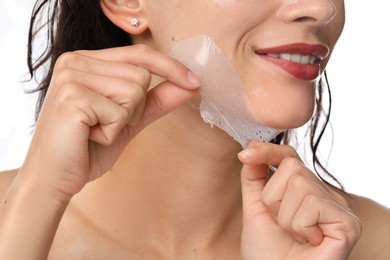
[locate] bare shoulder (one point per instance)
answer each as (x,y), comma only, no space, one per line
(6,179)
(375,218)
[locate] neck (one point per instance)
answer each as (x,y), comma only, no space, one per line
(182,177)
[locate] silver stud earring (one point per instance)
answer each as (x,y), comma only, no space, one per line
(134,22)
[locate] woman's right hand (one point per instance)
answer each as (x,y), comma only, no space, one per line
(96,103)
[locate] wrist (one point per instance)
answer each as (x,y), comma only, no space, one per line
(42,180)
(30,212)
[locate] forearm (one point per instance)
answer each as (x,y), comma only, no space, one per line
(29,217)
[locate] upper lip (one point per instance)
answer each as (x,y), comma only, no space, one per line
(315,50)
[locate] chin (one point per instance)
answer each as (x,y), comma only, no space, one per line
(284,117)
(282,103)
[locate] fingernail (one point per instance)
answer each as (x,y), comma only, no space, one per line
(247,153)
(193,79)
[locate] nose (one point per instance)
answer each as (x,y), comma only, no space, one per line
(313,13)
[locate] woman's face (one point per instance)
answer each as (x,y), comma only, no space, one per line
(278,47)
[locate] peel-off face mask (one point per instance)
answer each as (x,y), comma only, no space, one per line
(224,101)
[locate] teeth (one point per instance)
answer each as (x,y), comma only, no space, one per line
(285,56)
(274,55)
(294,57)
(305,59)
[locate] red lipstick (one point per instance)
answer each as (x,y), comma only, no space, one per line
(301,60)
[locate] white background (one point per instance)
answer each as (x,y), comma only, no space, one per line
(358,74)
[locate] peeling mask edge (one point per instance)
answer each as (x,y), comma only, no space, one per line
(224,101)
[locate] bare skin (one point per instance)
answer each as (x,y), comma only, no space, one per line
(122,166)
(82,236)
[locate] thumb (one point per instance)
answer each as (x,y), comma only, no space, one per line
(253,180)
(163,99)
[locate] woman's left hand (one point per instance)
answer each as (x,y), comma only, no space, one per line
(293,215)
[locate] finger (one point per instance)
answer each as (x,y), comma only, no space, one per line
(318,218)
(293,173)
(289,171)
(259,153)
(253,181)
(298,189)
(109,119)
(163,99)
(124,92)
(156,62)
(305,221)
(256,159)
(267,153)
(129,94)
(77,61)
(104,117)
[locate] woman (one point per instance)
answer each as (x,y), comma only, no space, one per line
(121,165)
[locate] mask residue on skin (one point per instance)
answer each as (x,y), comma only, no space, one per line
(224,102)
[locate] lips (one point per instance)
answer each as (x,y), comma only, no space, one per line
(301,60)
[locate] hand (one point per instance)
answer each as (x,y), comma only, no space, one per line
(293,215)
(97,102)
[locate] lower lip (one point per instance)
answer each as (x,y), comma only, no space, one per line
(306,72)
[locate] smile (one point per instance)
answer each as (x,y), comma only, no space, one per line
(297,58)
(300,60)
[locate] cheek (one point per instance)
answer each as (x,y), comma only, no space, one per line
(277,99)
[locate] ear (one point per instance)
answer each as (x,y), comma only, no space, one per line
(122,12)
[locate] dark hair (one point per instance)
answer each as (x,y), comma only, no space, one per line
(81,25)
(317,127)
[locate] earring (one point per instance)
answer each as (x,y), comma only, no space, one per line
(134,22)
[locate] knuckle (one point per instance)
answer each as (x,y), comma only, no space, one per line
(135,95)
(310,201)
(68,99)
(293,164)
(296,225)
(267,199)
(301,229)
(297,183)
(67,95)
(284,223)
(143,76)
(122,117)
(65,59)
(352,231)
(62,76)
(354,225)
